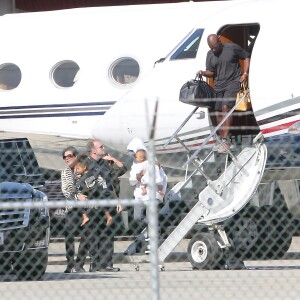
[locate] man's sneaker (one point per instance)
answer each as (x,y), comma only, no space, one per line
(226,145)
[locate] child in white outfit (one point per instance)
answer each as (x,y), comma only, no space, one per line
(139,177)
(141,159)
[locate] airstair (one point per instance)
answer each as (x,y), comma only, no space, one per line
(222,198)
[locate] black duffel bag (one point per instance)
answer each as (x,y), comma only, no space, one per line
(197,92)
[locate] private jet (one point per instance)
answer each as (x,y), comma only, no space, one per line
(246,197)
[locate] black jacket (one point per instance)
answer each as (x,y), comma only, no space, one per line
(107,175)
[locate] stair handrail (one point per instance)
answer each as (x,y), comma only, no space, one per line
(180,127)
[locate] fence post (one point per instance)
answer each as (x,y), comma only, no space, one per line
(152,211)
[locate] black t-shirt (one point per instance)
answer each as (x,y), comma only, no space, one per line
(225,64)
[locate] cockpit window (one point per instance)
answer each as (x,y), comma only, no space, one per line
(189,47)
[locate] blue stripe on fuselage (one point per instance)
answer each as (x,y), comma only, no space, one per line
(53,115)
(59,105)
(55,110)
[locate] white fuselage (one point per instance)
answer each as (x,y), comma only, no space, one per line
(94,40)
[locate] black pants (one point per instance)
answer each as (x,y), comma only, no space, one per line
(72,229)
(105,246)
(98,239)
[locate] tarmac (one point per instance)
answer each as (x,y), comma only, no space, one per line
(179,254)
(56,254)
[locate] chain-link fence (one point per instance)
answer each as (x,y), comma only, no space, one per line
(227,226)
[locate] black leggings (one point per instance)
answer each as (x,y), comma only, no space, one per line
(73,220)
(98,239)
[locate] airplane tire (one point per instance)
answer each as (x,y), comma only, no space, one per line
(204,252)
(243,232)
(281,231)
(258,234)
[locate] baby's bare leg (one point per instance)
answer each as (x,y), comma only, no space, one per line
(85,219)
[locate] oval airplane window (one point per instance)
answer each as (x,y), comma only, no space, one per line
(125,70)
(65,73)
(10,76)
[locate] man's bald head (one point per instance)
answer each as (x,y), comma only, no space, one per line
(214,42)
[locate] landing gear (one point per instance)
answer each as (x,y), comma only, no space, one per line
(260,233)
(281,231)
(204,252)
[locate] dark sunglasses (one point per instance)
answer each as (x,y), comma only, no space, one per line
(68,156)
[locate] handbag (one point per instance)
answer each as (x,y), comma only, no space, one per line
(246,102)
(197,92)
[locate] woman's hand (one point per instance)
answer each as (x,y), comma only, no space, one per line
(81,197)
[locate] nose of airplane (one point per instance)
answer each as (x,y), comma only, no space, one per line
(125,120)
(130,116)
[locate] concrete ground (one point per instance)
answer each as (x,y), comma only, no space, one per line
(179,254)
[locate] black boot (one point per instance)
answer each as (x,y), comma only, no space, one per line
(93,267)
(70,266)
